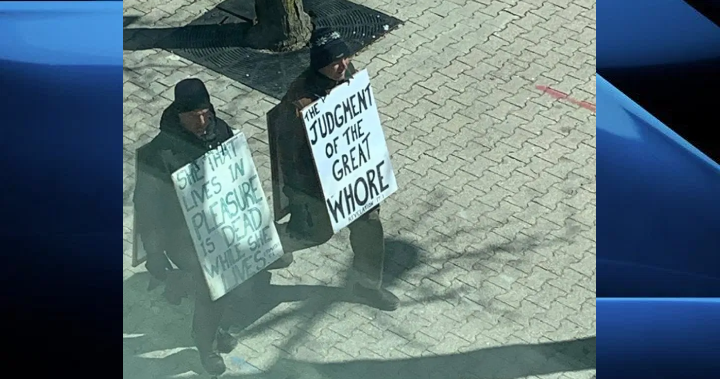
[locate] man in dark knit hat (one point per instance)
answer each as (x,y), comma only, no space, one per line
(189,128)
(309,223)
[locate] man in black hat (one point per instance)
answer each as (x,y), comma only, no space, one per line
(309,220)
(189,128)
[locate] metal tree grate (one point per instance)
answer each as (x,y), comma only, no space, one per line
(212,41)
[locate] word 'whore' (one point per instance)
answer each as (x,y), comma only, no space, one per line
(357,194)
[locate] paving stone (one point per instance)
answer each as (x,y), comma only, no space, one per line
(483,161)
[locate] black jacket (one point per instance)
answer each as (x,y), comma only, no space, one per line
(158,213)
(295,154)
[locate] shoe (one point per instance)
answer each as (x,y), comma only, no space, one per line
(213,363)
(225,341)
(285,261)
(378,298)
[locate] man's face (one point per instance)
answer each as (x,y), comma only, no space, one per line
(196,121)
(336,70)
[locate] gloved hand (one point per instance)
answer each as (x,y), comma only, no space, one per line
(178,286)
(158,265)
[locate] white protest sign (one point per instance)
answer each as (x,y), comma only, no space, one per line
(228,215)
(349,149)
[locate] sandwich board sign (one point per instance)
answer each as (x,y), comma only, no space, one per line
(139,256)
(349,149)
(228,215)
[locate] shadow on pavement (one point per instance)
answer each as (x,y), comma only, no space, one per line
(505,362)
(401,257)
(129,20)
(156,364)
(186,37)
(156,334)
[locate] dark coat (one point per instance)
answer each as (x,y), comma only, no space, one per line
(293,165)
(159,216)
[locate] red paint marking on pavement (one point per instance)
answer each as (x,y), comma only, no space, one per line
(562,96)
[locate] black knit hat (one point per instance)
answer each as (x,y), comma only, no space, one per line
(326,46)
(191,95)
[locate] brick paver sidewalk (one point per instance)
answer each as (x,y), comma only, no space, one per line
(491,235)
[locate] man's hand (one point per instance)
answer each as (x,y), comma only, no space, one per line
(178,286)
(158,265)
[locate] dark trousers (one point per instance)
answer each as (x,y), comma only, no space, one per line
(310,222)
(208,314)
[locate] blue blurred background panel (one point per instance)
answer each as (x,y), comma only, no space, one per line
(61,107)
(658,210)
(708,8)
(658,188)
(61,33)
(657,338)
(658,177)
(61,68)
(651,32)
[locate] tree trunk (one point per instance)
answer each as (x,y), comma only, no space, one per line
(282,25)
